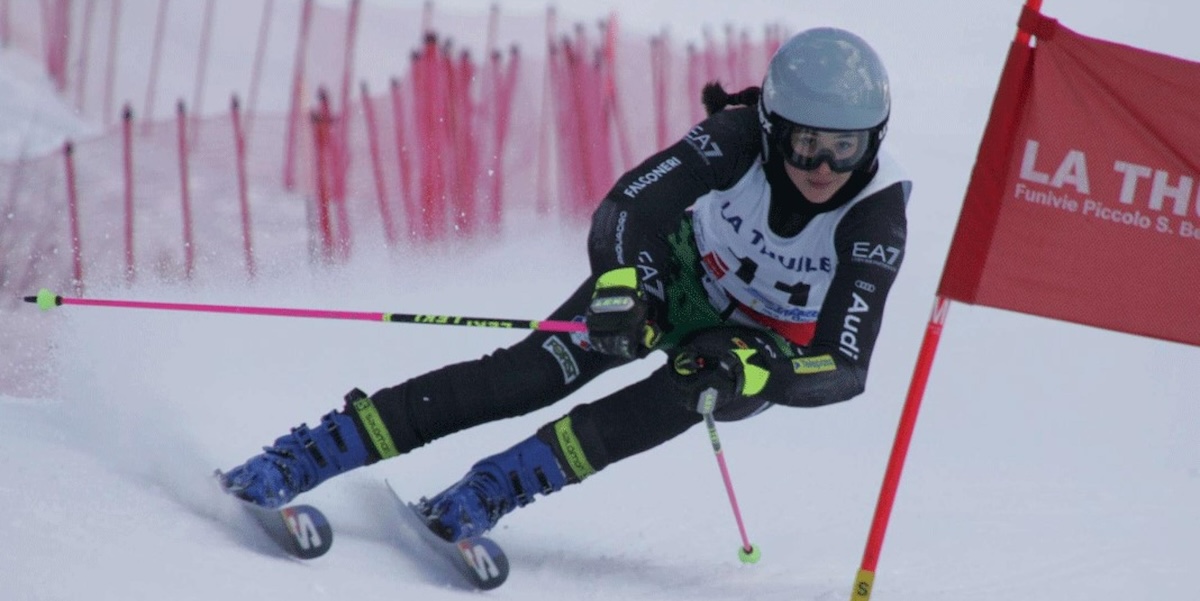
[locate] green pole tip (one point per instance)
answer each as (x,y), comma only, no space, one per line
(46,299)
(751,556)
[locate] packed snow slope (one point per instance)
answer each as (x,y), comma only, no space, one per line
(1051,462)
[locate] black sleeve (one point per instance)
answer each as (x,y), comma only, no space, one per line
(870,247)
(649,200)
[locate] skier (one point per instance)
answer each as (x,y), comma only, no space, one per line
(757,253)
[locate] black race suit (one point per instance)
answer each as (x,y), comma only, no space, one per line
(645,221)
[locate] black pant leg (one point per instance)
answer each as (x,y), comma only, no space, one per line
(534,373)
(636,418)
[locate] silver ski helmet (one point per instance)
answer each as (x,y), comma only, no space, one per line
(825,79)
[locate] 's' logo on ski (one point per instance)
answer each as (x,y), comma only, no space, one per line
(480,559)
(301,525)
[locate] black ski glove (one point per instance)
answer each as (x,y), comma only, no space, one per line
(618,316)
(720,366)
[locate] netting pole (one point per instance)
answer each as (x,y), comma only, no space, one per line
(155,63)
(127,176)
(297,99)
(185,193)
(260,52)
(545,125)
(110,65)
(201,69)
(320,168)
(385,210)
(343,121)
(5,23)
(85,41)
(659,55)
(239,141)
(408,201)
(73,217)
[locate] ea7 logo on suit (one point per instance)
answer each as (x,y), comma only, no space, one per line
(704,144)
(884,256)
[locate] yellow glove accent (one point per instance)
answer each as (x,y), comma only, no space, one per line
(624,277)
(755,376)
(650,336)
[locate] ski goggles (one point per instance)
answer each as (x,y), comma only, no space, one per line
(807,147)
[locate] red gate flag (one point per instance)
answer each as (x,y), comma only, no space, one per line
(1084,202)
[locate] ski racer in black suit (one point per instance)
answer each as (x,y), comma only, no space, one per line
(757,253)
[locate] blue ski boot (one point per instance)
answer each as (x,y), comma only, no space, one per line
(299,461)
(493,487)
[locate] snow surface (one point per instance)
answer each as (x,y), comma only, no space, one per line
(1051,461)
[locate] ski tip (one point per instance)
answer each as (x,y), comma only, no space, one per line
(301,531)
(45,299)
(219,477)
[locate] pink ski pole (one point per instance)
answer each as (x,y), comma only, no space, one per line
(747,553)
(47,300)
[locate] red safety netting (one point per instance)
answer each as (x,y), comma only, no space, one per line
(391,131)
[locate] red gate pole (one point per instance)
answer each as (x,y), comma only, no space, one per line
(865,580)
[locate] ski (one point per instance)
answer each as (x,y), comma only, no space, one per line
(479,560)
(299,530)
